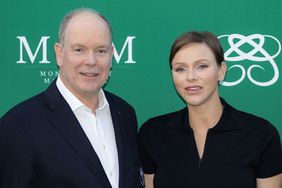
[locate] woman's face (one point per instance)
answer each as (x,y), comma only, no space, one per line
(195,74)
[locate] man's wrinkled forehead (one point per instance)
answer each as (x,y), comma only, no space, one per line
(85,19)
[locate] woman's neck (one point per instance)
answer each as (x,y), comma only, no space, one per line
(205,116)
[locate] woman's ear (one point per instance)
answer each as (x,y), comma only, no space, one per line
(222,71)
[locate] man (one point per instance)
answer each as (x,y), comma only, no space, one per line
(74,134)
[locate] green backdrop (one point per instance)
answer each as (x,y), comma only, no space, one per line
(250,31)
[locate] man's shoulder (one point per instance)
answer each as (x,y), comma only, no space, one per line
(116,100)
(28,106)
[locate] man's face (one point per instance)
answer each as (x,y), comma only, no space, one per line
(85,55)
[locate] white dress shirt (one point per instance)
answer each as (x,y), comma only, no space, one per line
(98,127)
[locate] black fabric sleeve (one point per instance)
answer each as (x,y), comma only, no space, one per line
(16,156)
(270,163)
(144,139)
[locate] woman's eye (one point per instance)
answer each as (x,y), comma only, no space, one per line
(202,67)
(180,69)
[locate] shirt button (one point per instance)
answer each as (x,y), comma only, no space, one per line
(103,146)
(111,174)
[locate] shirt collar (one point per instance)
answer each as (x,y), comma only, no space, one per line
(74,102)
(103,103)
(229,120)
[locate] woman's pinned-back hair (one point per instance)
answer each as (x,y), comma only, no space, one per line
(205,37)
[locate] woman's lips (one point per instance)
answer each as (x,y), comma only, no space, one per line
(193,89)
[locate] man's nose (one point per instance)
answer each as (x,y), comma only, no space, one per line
(91,59)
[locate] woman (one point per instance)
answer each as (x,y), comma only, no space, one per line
(208,144)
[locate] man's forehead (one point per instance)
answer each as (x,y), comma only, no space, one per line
(87,17)
(87,26)
(83,23)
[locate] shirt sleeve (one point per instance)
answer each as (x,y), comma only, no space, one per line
(147,161)
(270,163)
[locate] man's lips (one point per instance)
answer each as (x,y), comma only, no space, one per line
(89,74)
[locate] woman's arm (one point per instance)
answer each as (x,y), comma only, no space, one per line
(149,180)
(273,182)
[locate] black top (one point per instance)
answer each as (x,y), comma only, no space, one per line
(239,148)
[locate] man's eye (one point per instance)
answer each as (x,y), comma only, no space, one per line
(78,50)
(102,51)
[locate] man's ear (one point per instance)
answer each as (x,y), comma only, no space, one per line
(59,54)
(112,50)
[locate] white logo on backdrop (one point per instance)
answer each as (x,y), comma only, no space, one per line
(257,54)
(24,44)
(43,44)
(50,75)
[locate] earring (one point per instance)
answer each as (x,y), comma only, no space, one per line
(220,82)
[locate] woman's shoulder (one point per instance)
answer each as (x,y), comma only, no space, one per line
(161,121)
(251,122)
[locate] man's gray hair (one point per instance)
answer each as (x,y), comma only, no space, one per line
(71,14)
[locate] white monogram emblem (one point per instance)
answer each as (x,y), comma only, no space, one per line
(257,54)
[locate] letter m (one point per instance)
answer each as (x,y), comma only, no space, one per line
(32,56)
(127,43)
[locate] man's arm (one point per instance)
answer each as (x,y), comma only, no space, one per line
(15,155)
